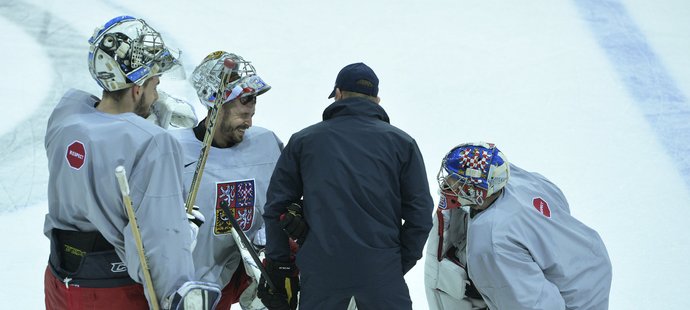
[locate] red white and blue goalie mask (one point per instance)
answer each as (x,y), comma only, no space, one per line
(470,173)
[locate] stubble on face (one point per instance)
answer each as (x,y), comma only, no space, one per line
(234,133)
(233,126)
(141,108)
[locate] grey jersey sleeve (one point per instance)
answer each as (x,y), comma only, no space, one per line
(508,278)
(156,192)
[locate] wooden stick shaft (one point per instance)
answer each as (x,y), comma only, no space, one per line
(201,162)
(208,139)
(124,189)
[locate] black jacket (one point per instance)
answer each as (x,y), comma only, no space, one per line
(360,178)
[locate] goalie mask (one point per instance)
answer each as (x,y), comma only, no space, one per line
(244,82)
(127,51)
(470,173)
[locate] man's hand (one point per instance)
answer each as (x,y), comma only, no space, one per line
(285,277)
(293,223)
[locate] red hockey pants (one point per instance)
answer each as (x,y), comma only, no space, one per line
(59,296)
(231,292)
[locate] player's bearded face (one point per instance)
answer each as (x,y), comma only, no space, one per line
(237,118)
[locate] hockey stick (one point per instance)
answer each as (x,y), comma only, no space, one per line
(228,64)
(124,189)
(248,246)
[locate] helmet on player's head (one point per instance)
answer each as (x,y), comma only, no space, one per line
(244,82)
(470,173)
(127,51)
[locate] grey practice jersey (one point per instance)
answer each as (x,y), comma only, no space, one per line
(527,252)
(84,146)
(238,177)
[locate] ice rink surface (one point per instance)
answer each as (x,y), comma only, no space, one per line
(591,94)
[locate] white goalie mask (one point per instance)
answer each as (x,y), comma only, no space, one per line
(244,81)
(127,51)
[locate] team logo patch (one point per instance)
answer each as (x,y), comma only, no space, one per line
(214,55)
(541,206)
(239,198)
(118,267)
(75,155)
(442,203)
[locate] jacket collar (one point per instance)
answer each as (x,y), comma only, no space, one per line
(355,106)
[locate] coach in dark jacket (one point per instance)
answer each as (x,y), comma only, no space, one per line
(366,202)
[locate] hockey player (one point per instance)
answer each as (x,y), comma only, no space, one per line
(93,259)
(360,178)
(524,249)
(236,175)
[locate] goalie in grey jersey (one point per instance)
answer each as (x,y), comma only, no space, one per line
(93,260)
(236,176)
(512,233)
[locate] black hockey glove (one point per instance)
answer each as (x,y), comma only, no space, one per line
(471,290)
(293,223)
(285,277)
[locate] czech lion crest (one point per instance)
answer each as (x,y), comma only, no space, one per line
(239,198)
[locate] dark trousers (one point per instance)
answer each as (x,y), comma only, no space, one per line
(390,295)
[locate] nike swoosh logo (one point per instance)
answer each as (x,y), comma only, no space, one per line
(187,165)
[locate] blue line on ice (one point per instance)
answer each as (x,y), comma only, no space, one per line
(652,88)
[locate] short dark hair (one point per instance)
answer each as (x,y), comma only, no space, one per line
(348,94)
(118,94)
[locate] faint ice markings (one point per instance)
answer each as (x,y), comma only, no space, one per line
(654,90)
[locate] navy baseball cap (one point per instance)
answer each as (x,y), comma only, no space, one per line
(358,78)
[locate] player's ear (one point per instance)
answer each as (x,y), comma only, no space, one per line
(136,92)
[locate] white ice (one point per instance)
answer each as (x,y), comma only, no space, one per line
(561,86)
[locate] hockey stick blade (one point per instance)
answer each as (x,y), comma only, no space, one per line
(249,246)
